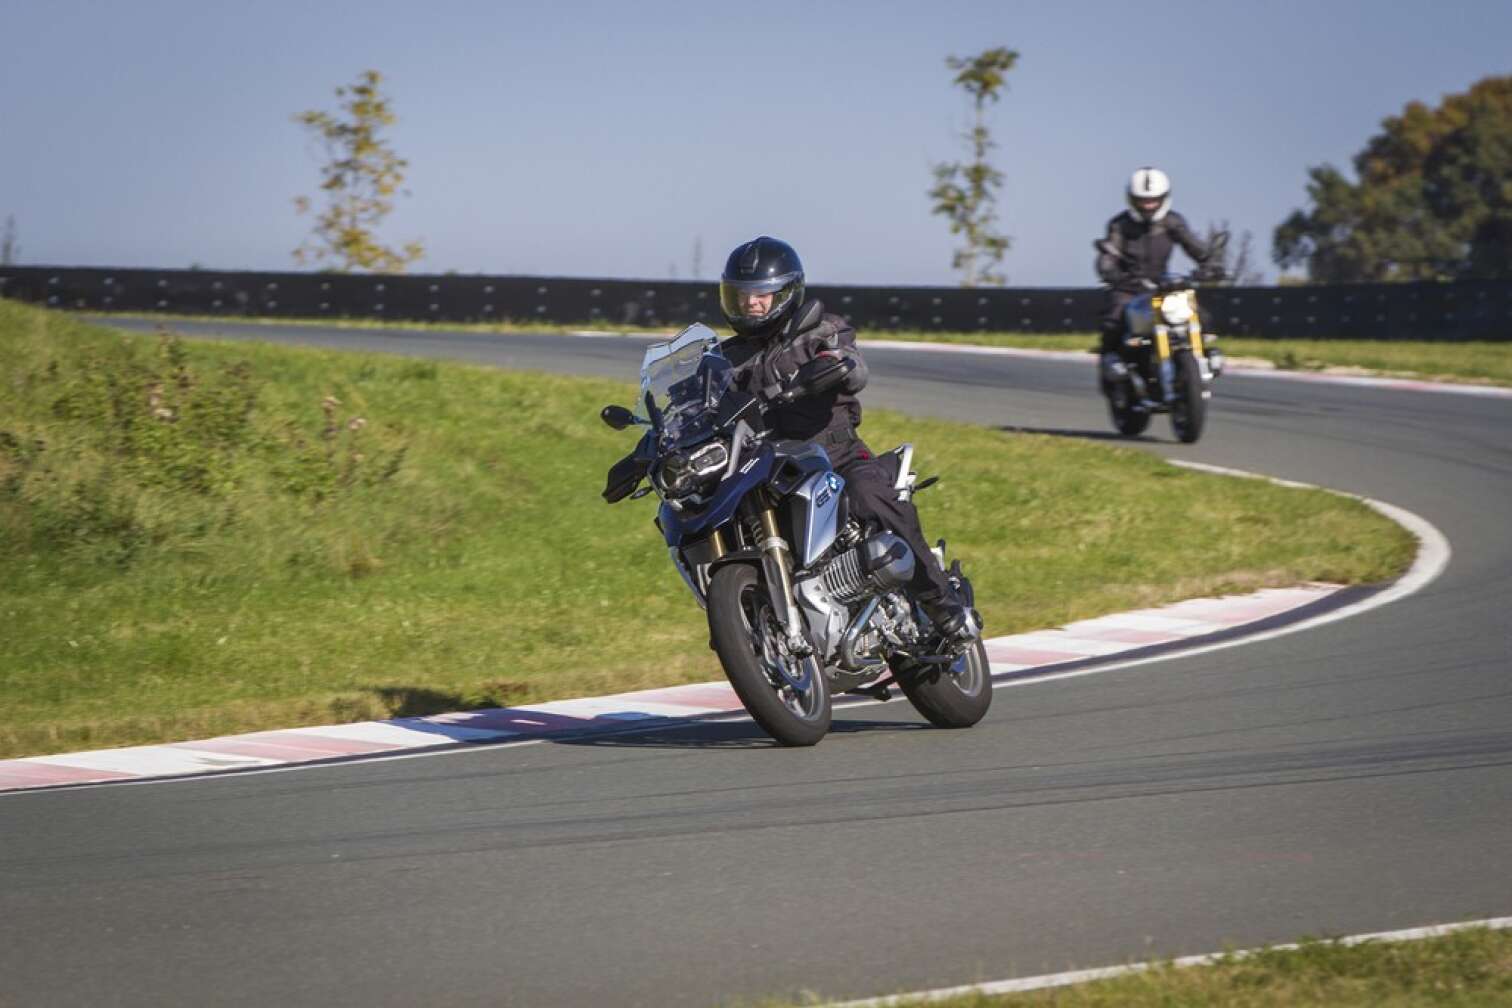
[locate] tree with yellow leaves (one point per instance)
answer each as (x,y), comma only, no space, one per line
(359,180)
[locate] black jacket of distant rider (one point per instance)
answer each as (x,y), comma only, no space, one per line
(764,365)
(1148,244)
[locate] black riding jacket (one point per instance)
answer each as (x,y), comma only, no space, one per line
(764,365)
(1149,244)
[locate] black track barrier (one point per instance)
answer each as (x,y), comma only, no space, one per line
(1472,310)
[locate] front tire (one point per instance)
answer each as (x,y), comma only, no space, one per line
(1189,410)
(957,697)
(787,696)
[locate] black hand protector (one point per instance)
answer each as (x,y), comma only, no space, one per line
(823,373)
(624,476)
(627,473)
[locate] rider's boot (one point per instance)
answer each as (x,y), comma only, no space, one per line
(1122,383)
(954,620)
(1113,370)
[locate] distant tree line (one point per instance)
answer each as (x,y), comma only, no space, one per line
(1433,200)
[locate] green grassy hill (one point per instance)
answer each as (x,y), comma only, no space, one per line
(199,538)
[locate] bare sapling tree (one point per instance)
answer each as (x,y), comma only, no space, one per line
(1237,264)
(965,194)
(359,181)
(9,249)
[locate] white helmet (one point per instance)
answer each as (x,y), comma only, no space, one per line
(1145,185)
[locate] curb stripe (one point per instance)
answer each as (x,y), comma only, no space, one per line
(1019,660)
(1108,972)
(1019,655)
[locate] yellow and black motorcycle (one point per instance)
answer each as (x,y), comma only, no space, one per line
(1169,360)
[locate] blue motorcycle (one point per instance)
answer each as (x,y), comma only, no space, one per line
(803,600)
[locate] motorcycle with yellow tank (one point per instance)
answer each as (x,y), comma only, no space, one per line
(1170,359)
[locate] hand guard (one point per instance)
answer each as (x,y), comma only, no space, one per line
(824,371)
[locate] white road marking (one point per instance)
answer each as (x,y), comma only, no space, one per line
(1432,557)
(1364,381)
(1103,973)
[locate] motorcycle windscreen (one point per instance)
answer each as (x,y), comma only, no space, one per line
(682,381)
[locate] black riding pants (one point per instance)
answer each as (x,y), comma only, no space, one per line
(1111,320)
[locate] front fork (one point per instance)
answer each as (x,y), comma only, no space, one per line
(777,565)
(1166,365)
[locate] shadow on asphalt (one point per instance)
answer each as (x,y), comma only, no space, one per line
(721,735)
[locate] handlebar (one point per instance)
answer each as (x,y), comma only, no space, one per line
(815,376)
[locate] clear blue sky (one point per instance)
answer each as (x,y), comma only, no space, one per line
(605,138)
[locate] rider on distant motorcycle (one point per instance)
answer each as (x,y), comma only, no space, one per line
(1145,234)
(777,331)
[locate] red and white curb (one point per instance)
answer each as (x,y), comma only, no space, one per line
(1109,972)
(1123,632)
(1077,649)
(1013,656)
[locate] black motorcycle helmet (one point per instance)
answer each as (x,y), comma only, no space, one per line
(762,265)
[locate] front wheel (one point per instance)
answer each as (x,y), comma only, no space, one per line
(786,695)
(955,696)
(1189,410)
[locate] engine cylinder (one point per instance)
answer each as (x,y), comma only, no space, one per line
(881,563)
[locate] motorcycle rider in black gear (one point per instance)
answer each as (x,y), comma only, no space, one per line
(777,331)
(1145,234)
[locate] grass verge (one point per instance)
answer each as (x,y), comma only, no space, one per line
(1488,363)
(199,537)
(1466,969)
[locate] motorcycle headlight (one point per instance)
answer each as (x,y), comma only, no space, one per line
(1176,309)
(705,460)
(682,472)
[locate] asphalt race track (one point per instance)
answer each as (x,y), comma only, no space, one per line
(1352,778)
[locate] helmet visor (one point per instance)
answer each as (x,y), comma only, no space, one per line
(749,303)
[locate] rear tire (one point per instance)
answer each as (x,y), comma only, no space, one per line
(957,698)
(752,648)
(1189,410)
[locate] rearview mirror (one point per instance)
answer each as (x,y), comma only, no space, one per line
(617,417)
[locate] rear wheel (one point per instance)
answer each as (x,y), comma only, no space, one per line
(1189,410)
(953,696)
(786,695)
